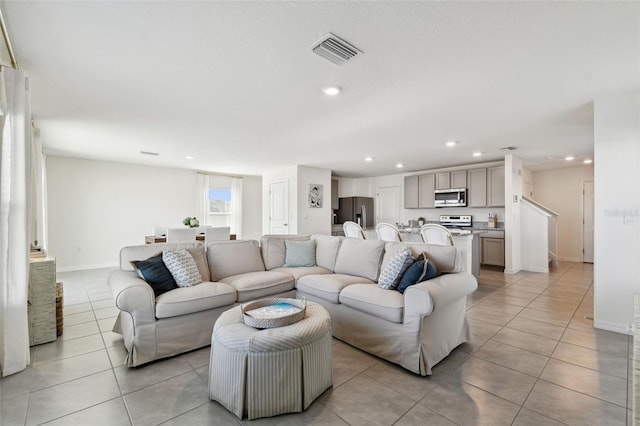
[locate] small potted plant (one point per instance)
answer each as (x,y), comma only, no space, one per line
(420,221)
(191,222)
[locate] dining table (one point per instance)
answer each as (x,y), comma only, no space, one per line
(153,239)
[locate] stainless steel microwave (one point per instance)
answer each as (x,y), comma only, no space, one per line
(454,197)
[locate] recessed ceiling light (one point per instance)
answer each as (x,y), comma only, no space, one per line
(399,165)
(450,143)
(569,158)
(588,161)
(477,154)
(368,159)
(332,90)
(189,157)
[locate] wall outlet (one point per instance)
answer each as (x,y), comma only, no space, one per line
(629,328)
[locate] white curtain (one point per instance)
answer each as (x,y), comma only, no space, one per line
(38,192)
(15,164)
(203,199)
(236,207)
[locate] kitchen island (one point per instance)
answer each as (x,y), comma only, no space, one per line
(468,242)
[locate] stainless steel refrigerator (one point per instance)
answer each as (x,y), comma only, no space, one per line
(356,209)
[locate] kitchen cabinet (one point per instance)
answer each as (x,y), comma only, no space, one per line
(495,186)
(459,179)
(411,190)
(455,179)
(477,194)
(443,180)
(493,251)
(426,195)
(334,194)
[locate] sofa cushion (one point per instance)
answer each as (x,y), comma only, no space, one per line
(182,266)
(373,300)
(421,270)
(273,249)
(300,253)
(328,286)
(186,300)
(327,250)
(228,258)
(155,273)
(359,257)
(200,256)
(300,272)
(391,274)
(445,258)
(254,285)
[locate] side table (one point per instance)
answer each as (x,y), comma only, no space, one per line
(42,300)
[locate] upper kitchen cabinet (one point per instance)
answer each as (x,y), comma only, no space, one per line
(426,185)
(495,186)
(477,194)
(455,179)
(411,192)
(334,194)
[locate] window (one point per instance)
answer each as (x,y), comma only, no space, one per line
(219,201)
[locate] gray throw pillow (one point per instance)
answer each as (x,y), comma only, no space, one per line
(300,253)
(182,266)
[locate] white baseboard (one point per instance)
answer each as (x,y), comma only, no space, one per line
(612,326)
(512,271)
(85,267)
(541,269)
(570,259)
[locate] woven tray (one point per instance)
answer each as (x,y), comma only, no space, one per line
(279,321)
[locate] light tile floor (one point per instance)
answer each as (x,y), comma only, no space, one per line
(535,359)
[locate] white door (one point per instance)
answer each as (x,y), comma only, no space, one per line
(279,207)
(587,221)
(389,201)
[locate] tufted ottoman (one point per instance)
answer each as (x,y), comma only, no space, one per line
(273,371)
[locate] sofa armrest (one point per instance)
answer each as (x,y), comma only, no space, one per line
(133,295)
(422,298)
(448,288)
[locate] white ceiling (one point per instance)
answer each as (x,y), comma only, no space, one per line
(236,85)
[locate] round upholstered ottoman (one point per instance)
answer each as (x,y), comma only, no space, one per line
(273,371)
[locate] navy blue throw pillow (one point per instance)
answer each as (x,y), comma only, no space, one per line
(155,273)
(420,270)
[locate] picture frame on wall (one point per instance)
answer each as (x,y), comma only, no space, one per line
(315,195)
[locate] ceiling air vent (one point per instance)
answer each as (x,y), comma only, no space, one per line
(336,50)
(508,148)
(149,153)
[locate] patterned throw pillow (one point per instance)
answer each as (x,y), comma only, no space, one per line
(182,267)
(392,273)
(155,273)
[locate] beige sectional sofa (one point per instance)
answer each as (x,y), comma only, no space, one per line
(416,329)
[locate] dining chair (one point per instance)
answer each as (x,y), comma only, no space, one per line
(388,232)
(217,233)
(433,233)
(353,230)
(177,235)
(202,230)
(159,231)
